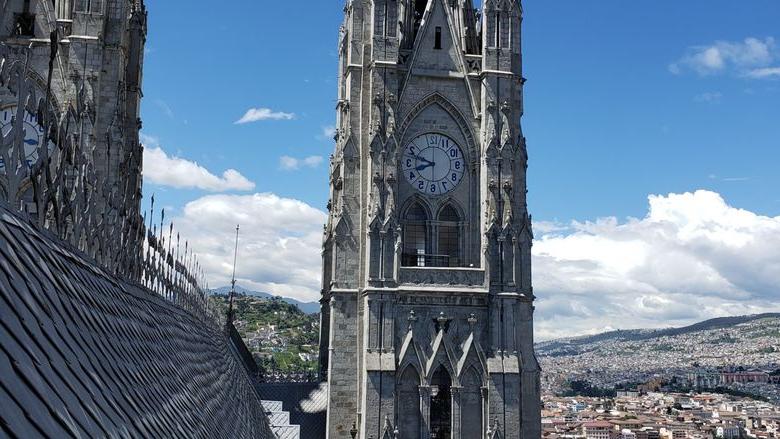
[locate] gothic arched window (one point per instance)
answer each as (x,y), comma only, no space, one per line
(449,237)
(415,236)
(441,404)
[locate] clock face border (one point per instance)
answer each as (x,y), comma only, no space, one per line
(419,164)
(30,126)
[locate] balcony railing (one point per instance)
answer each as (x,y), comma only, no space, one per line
(429,260)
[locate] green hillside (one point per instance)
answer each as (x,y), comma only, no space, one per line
(280,336)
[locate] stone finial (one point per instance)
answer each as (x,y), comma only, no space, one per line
(472,320)
(412,319)
(442,322)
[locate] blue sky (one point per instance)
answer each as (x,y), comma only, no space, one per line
(624,100)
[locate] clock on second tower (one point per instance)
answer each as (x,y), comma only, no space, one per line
(433,164)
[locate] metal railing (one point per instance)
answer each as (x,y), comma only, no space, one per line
(55,182)
(429,260)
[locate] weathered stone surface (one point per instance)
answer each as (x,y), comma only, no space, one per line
(85,354)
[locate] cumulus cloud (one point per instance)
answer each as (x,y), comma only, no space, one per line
(166,170)
(280,242)
(764,73)
(693,257)
(329,131)
(258,114)
(752,58)
(288,163)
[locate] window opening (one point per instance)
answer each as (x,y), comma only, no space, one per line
(441,404)
(449,237)
(498,29)
(415,241)
(24,23)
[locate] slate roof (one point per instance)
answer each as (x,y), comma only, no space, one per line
(84,354)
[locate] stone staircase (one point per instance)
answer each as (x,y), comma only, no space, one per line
(280,421)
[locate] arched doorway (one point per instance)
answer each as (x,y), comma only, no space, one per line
(441,404)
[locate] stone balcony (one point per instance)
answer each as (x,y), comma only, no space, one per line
(430,276)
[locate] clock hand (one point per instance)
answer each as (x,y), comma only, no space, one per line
(422,159)
(421,167)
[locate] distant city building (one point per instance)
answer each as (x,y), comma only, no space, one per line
(745,377)
(597,430)
(627,434)
(729,432)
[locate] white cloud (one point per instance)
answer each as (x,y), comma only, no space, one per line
(280,242)
(258,114)
(176,172)
(328,132)
(750,58)
(693,257)
(288,163)
(765,73)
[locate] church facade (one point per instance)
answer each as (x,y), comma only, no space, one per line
(427,302)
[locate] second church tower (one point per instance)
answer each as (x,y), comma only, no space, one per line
(427,307)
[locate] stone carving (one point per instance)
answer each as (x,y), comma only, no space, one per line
(376,201)
(390,202)
(506,125)
(490,123)
(491,215)
(453,277)
(390,113)
(508,208)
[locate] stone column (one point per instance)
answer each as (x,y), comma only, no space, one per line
(425,412)
(485,409)
(456,412)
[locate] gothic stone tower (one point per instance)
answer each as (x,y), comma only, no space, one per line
(427,307)
(98,72)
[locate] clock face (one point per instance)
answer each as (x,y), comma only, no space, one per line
(433,164)
(33,134)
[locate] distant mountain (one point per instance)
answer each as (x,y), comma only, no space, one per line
(574,346)
(306,307)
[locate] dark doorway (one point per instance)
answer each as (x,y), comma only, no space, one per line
(441,405)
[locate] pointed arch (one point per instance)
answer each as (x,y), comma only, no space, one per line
(415,221)
(441,404)
(465,128)
(450,210)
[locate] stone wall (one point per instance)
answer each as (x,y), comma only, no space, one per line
(84,354)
